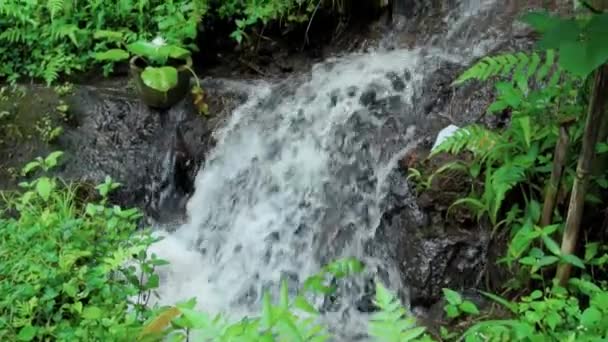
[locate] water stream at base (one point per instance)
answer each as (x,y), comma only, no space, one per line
(298,178)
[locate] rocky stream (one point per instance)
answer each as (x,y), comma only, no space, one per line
(294,169)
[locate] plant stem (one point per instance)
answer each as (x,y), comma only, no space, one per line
(597,107)
(198,82)
(559,161)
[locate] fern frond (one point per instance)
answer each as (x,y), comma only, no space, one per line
(55,7)
(15,12)
(13,35)
(61,31)
(503,179)
(518,66)
(392,323)
(474,138)
(51,69)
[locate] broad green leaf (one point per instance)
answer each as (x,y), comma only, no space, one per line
(551,245)
(44,186)
(567,30)
(502,301)
(451,311)
(526,128)
(597,33)
(591,250)
(585,286)
(162,79)
(600,300)
(30,167)
(412,334)
(197,320)
(591,317)
(52,159)
(107,34)
(153,282)
(177,52)
(469,307)
(92,313)
(547,260)
(267,312)
(113,55)
(574,57)
(452,296)
(498,106)
(284,295)
(316,284)
(146,49)
(301,303)
(573,260)
(27,333)
(553,319)
(542,21)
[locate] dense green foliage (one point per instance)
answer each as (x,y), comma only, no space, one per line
(45,39)
(64,271)
(43,42)
(544,98)
(77,269)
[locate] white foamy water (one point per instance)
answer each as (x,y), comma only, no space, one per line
(296,180)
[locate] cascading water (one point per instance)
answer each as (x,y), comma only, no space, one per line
(298,178)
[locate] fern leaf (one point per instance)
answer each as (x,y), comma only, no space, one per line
(544,70)
(13,35)
(474,138)
(504,179)
(51,70)
(392,323)
(533,67)
(55,7)
(520,67)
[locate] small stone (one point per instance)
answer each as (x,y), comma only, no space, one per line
(407,75)
(351,91)
(368,97)
(396,81)
(273,237)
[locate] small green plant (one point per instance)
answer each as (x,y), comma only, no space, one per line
(68,268)
(155,54)
(392,323)
(456,305)
(64,89)
(47,131)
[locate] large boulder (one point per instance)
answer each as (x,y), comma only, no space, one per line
(108,131)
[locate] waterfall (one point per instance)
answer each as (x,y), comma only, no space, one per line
(297,179)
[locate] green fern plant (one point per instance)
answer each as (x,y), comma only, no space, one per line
(474,138)
(55,7)
(392,323)
(518,67)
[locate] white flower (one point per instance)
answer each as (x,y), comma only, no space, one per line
(159,41)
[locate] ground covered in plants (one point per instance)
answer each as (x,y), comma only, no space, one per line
(506,238)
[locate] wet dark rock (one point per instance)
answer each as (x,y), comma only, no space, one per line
(368,97)
(432,253)
(396,81)
(351,91)
(273,237)
(154,154)
(407,75)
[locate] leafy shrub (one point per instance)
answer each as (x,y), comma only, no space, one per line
(65,271)
(42,41)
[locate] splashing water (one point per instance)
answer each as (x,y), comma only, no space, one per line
(298,179)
